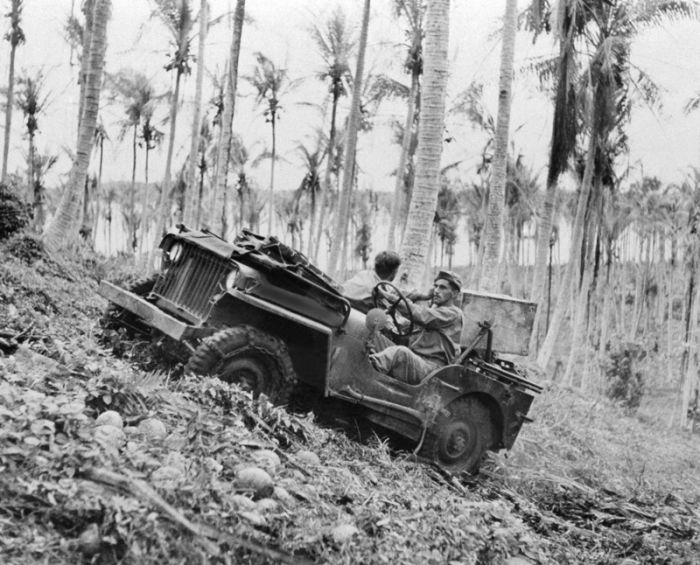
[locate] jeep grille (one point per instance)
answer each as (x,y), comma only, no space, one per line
(188,287)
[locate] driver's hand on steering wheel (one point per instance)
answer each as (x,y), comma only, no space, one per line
(387,294)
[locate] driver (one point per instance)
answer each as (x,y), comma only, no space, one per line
(434,343)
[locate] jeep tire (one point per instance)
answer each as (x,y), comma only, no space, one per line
(459,437)
(249,357)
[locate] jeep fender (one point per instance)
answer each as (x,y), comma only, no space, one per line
(301,334)
(455,381)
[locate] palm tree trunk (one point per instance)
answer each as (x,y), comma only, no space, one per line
(326,187)
(273,158)
(165,204)
(399,187)
(133,241)
(97,196)
(493,228)
(190,197)
(89,11)
(8,110)
(341,225)
(62,227)
(144,204)
(414,247)
(223,152)
(577,231)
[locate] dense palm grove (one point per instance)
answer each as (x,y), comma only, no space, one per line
(607,474)
(625,270)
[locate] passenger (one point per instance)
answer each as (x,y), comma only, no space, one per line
(435,341)
(358,289)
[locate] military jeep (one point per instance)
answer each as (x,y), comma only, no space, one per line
(258,313)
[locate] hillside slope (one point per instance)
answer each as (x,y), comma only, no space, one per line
(584,484)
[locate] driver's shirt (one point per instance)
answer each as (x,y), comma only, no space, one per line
(440,329)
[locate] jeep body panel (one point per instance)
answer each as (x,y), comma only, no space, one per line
(300,333)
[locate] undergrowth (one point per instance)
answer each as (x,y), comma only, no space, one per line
(586,482)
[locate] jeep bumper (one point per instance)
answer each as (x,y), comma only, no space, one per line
(149,313)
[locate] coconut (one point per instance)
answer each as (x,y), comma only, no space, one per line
(242,503)
(152,428)
(265,505)
(307,457)
(167,476)
(110,417)
(267,459)
(255,480)
(110,436)
(282,494)
(343,532)
(89,541)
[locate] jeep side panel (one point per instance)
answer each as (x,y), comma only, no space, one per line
(308,341)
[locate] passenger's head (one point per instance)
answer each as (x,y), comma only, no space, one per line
(386,265)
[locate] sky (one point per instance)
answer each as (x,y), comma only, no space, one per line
(663,142)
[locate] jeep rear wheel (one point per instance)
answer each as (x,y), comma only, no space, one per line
(458,440)
(244,355)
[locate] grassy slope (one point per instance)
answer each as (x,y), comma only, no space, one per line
(584,483)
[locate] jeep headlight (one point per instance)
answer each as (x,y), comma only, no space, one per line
(231,278)
(175,253)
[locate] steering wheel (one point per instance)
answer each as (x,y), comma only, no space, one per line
(391,310)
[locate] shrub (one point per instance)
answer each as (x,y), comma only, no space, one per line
(625,384)
(15,214)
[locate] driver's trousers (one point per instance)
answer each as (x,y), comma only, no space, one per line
(399,361)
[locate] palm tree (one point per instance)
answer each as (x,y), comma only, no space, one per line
(32,102)
(42,165)
(62,226)
(350,145)
(177,17)
(224,148)
(138,95)
(607,81)
(100,138)
(16,37)
(270,82)
(335,43)
(311,183)
(488,279)
(197,118)
(414,247)
(569,26)
(413,11)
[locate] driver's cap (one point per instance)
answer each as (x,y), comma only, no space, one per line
(452,278)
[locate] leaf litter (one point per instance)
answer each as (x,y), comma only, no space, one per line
(199,472)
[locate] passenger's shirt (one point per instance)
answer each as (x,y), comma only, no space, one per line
(359,289)
(438,332)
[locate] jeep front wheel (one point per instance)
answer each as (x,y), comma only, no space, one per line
(458,440)
(244,355)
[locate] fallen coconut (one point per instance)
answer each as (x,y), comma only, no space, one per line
(265,505)
(110,417)
(307,457)
(343,532)
(256,481)
(152,428)
(242,503)
(267,459)
(110,436)
(167,476)
(89,541)
(282,494)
